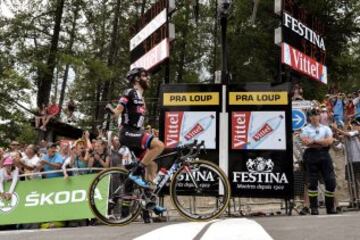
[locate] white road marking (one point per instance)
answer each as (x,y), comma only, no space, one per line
(229,229)
(235,229)
(14,232)
(181,231)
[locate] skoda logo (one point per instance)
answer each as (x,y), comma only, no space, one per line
(8,206)
(260,164)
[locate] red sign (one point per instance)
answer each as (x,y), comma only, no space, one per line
(239,129)
(302,63)
(173,123)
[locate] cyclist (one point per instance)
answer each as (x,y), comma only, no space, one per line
(132,108)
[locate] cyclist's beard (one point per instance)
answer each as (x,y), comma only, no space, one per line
(144,84)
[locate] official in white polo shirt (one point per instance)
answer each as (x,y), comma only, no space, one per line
(317,138)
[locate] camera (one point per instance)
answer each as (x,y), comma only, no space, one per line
(83,153)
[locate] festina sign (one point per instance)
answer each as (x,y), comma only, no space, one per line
(300,62)
(303,31)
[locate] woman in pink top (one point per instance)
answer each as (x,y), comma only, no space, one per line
(8,173)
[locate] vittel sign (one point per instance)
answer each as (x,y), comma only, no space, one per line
(303,31)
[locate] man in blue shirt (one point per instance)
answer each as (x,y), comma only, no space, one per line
(51,161)
(317,138)
(338,108)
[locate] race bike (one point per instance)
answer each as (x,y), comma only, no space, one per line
(199,189)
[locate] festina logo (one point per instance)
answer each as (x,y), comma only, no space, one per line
(303,31)
(260,177)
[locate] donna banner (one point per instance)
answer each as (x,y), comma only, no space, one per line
(55,199)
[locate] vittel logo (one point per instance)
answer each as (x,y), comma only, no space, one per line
(260,170)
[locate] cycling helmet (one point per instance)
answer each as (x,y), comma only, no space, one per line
(134,72)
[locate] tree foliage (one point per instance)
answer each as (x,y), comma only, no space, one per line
(83,51)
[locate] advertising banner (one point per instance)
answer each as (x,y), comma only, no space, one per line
(258,130)
(185,127)
(55,199)
(191,112)
(302,63)
(260,142)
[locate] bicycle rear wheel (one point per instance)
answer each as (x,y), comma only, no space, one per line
(200,191)
(113,198)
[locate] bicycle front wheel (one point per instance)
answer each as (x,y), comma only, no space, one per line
(113,198)
(200,191)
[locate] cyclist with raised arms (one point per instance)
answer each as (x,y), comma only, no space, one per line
(132,108)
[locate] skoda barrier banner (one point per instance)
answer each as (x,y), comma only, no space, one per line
(54,199)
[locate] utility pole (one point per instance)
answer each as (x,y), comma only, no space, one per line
(223,13)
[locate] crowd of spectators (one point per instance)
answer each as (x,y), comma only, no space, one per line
(341,112)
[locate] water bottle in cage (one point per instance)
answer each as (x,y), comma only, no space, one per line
(171,172)
(161,174)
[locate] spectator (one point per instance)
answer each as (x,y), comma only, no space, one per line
(338,108)
(40,116)
(43,148)
(2,154)
(51,161)
(352,146)
(116,157)
(9,172)
(148,129)
(356,102)
(297,92)
(328,104)
(14,147)
(52,111)
(349,109)
(79,159)
(16,156)
(324,115)
(30,160)
(70,109)
(99,157)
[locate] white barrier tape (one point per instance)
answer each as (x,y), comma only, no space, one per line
(60,171)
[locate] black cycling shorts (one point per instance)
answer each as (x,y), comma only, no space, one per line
(136,139)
